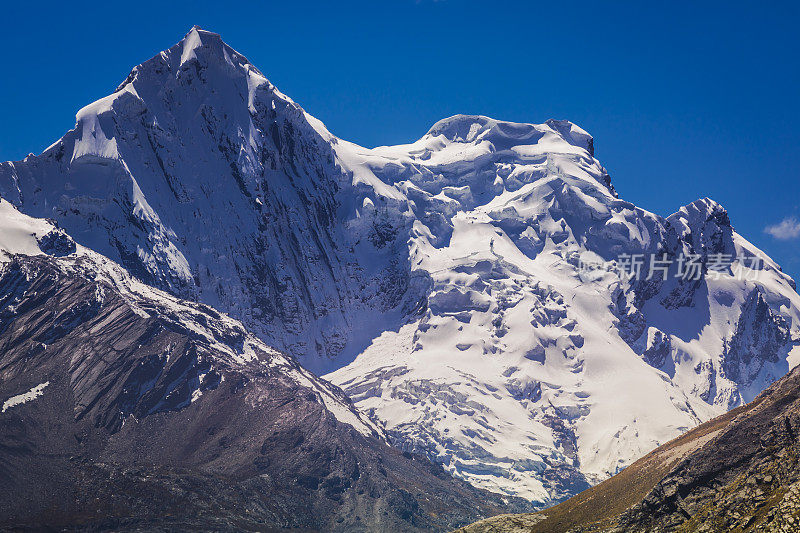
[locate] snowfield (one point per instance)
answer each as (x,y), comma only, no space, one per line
(439,283)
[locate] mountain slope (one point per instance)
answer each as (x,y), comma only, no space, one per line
(124,407)
(468,289)
(737,472)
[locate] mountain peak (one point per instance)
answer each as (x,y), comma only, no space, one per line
(201,47)
(198,38)
(504,134)
(700,211)
(460,128)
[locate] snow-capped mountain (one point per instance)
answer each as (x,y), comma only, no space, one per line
(468,289)
(124,407)
(538,368)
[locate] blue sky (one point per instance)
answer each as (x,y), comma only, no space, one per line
(684,102)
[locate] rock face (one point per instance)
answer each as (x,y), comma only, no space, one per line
(124,407)
(737,472)
(468,289)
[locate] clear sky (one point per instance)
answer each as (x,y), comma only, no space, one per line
(685,100)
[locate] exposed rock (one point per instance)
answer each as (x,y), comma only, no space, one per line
(127,409)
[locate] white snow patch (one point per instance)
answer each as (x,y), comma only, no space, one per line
(25,397)
(19,233)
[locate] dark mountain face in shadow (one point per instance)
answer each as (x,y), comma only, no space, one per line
(126,410)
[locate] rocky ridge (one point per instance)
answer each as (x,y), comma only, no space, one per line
(126,408)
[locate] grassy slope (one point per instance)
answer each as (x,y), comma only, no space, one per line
(593,509)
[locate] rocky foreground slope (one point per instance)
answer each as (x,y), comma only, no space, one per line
(737,472)
(468,289)
(126,408)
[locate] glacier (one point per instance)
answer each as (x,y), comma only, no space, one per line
(441,284)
